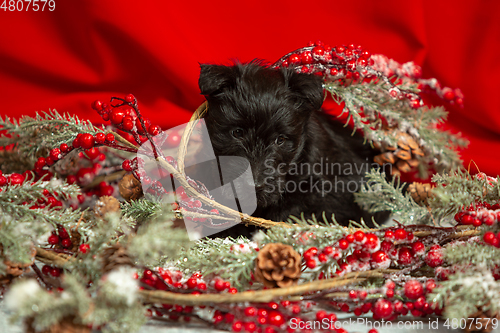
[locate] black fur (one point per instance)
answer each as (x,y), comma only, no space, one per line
(272,117)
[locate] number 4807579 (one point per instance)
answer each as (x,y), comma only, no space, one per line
(28,5)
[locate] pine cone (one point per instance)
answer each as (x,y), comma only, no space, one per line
(420,192)
(403,156)
(130,187)
(105,205)
(278,265)
(115,256)
(14,269)
(480,322)
(66,325)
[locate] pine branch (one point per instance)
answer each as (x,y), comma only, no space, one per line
(465,293)
(34,137)
(369,105)
(459,189)
(466,253)
(143,209)
(378,195)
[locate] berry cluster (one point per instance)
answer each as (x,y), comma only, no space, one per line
(343,63)
(351,63)
(479,214)
(398,300)
(362,251)
(490,238)
(126,117)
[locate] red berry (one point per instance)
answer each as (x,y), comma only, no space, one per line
(418,248)
(434,258)
(84,248)
(477,222)
(86,141)
(390,284)
(97,105)
(46,269)
(276,318)
(359,236)
(63,233)
(489,219)
(373,331)
(237,326)
(40,163)
(343,244)
(306,57)
(3,181)
(92,153)
(310,253)
(381,259)
(53,240)
(250,327)
(322,257)
(233,290)
(321,314)
(173,140)
(350,238)
(372,243)
(55,272)
(294,60)
(16,179)
(400,234)
(413,289)
(126,165)
(353,294)
(117,116)
(54,154)
(415,103)
(250,311)
(405,257)
(99,138)
(192,283)
(389,234)
(328,250)
(318,51)
(219,285)
(110,138)
(467,219)
(389,293)
(66,242)
(311,263)
(129,98)
(383,309)
(154,130)
(489,237)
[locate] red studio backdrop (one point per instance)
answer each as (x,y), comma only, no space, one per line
(87,50)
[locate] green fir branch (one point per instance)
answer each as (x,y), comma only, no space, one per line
(142,209)
(459,189)
(35,136)
(217,256)
(378,195)
(467,292)
(472,253)
(367,105)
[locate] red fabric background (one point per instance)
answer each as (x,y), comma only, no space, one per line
(87,50)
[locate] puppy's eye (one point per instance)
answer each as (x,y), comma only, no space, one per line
(238,133)
(281,140)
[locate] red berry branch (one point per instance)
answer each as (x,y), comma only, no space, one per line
(348,64)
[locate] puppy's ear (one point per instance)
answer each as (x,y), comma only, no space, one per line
(215,78)
(308,88)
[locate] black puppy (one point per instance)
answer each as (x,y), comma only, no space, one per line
(302,161)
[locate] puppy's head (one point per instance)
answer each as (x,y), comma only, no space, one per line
(260,114)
